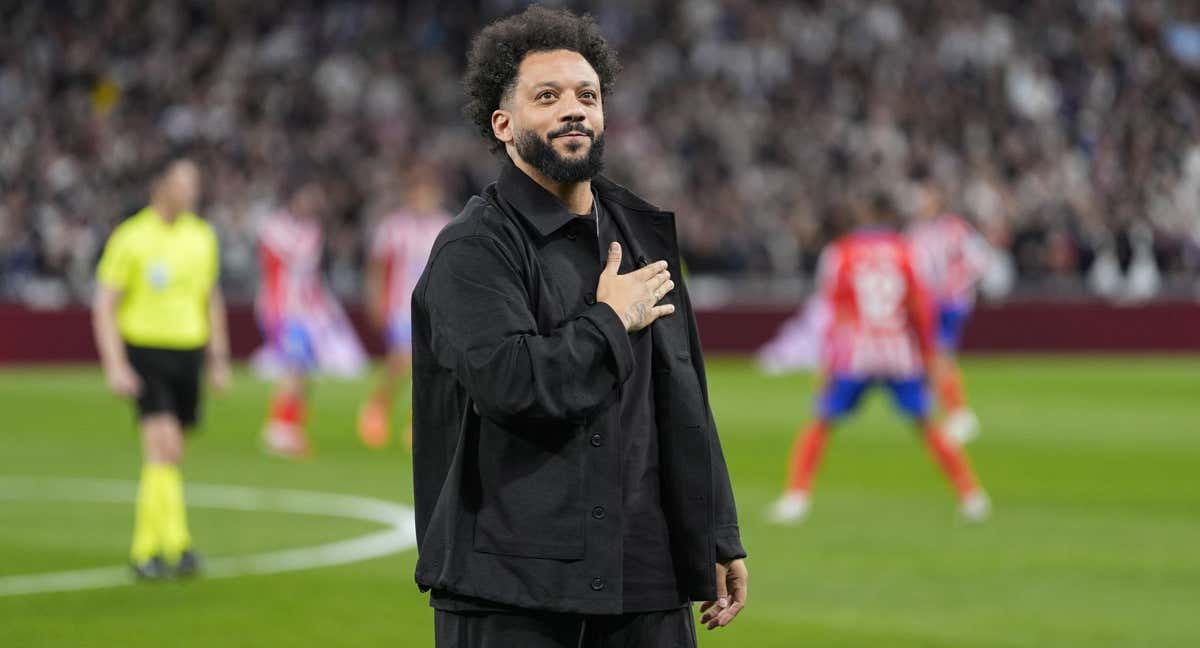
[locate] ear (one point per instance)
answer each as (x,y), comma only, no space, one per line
(502,126)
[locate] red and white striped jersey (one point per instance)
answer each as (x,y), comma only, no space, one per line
(402,243)
(881,325)
(950,256)
(289,253)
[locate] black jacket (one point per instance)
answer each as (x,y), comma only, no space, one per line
(515,367)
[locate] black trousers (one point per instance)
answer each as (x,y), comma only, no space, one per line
(668,629)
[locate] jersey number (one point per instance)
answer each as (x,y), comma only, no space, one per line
(879,289)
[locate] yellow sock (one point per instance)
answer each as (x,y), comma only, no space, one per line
(146,537)
(175,536)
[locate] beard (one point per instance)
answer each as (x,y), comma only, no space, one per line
(539,152)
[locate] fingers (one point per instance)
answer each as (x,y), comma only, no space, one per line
(719,617)
(717,611)
(650,317)
(726,617)
(711,610)
(660,284)
(662,288)
(614,258)
(220,378)
(126,390)
(644,274)
(657,312)
(732,590)
(126,384)
(738,581)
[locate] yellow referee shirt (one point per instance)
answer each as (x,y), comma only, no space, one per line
(165,272)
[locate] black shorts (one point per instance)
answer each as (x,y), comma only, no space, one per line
(666,629)
(170,382)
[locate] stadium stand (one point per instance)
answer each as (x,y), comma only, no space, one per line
(1067,131)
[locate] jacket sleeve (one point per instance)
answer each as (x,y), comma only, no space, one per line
(484,330)
(726,534)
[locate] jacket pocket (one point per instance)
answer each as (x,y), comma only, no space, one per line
(531,480)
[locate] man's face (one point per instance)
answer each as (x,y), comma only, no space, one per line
(182,185)
(929,202)
(310,201)
(427,196)
(553,118)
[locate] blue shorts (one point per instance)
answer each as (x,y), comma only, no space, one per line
(399,333)
(951,320)
(294,344)
(842,395)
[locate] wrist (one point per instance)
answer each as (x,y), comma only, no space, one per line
(623,316)
(114,362)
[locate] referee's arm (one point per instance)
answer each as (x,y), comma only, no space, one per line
(121,377)
(218,341)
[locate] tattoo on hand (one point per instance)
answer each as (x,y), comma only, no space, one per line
(636,315)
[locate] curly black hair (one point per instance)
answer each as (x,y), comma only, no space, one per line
(498,50)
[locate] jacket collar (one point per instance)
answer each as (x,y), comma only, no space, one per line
(537,206)
(544,212)
(613,192)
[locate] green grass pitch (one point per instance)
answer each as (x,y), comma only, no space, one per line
(1092,464)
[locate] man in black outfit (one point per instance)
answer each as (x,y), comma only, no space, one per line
(570,485)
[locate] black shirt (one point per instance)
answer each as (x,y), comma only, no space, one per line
(649,574)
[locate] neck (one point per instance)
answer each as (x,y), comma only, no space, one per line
(576,196)
(165,210)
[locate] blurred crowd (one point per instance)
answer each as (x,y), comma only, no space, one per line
(1067,130)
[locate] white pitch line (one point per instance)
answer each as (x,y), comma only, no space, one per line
(399,535)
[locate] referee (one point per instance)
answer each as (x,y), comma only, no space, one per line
(157,307)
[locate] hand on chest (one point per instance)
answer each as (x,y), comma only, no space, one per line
(567,267)
(569,263)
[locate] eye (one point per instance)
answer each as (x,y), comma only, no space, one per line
(545,95)
(588,94)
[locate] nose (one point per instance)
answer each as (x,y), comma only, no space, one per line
(572,110)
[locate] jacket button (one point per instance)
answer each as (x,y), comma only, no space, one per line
(597,584)
(590,298)
(571,233)
(599,513)
(597,441)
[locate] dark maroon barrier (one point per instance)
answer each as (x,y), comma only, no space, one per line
(1088,326)
(65,335)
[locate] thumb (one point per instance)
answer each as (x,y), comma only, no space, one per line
(614,258)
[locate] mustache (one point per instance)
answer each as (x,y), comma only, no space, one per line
(573,129)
